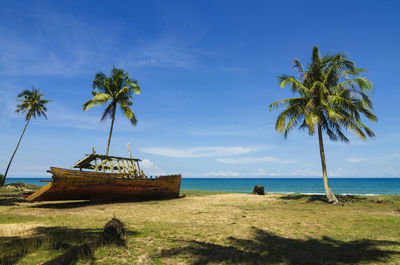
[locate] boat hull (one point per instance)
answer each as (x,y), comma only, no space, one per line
(96,186)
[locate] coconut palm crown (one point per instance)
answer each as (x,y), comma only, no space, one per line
(33,104)
(116,90)
(332,97)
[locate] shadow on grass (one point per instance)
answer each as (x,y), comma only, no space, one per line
(60,239)
(77,204)
(267,248)
(322,198)
(11,199)
(64,205)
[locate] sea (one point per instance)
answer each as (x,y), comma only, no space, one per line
(353,186)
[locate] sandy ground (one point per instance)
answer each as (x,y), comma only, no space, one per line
(218,222)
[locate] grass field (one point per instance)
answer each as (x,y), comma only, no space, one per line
(208,228)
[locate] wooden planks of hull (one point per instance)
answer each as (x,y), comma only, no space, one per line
(85,185)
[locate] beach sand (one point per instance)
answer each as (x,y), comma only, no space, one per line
(206,228)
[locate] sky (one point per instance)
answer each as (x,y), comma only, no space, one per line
(208,72)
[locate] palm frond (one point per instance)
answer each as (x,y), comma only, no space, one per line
(332,95)
(286,102)
(118,89)
(32,103)
(129,113)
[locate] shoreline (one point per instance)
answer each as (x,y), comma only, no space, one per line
(305,186)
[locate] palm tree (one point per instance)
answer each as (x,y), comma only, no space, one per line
(117,90)
(331,97)
(33,104)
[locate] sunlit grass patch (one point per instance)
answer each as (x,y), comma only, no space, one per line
(210,227)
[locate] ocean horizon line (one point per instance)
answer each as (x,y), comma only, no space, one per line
(288,185)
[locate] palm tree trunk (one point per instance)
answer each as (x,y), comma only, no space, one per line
(112,125)
(329,194)
(12,157)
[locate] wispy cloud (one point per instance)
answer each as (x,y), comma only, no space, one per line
(7,101)
(256,129)
(355,159)
(194,152)
(222,173)
(244,174)
(336,173)
(39,53)
(385,157)
(250,160)
(64,44)
(163,53)
(76,51)
(306,173)
(264,173)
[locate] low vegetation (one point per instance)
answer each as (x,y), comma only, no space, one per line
(208,228)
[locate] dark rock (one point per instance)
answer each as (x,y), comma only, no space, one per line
(258,189)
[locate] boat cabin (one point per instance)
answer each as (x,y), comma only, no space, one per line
(111,164)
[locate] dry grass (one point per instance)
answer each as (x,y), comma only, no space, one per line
(209,228)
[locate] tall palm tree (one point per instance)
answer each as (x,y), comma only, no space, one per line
(331,97)
(33,104)
(117,90)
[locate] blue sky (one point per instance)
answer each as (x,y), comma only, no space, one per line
(208,71)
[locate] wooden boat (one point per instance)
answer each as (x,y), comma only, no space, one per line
(113,178)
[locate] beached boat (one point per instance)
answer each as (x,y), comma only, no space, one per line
(108,178)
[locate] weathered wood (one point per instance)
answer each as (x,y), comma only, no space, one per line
(70,184)
(104,163)
(129,149)
(114,231)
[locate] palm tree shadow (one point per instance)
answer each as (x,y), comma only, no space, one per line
(78,204)
(10,200)
(322,198)
(15,248)
(64,205)
(268,248)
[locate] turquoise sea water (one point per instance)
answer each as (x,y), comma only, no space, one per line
(277,185)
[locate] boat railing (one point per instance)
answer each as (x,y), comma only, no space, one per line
(128,167)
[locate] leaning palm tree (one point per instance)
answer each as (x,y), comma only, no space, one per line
(117,90)
(33,104)
(331,98)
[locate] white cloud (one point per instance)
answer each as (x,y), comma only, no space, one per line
(306,173)
(256,129)
(151,169)
(222,173)
(249,160)
(263,172)
(230,173)
(336,173)
(194,152)
(355,159)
